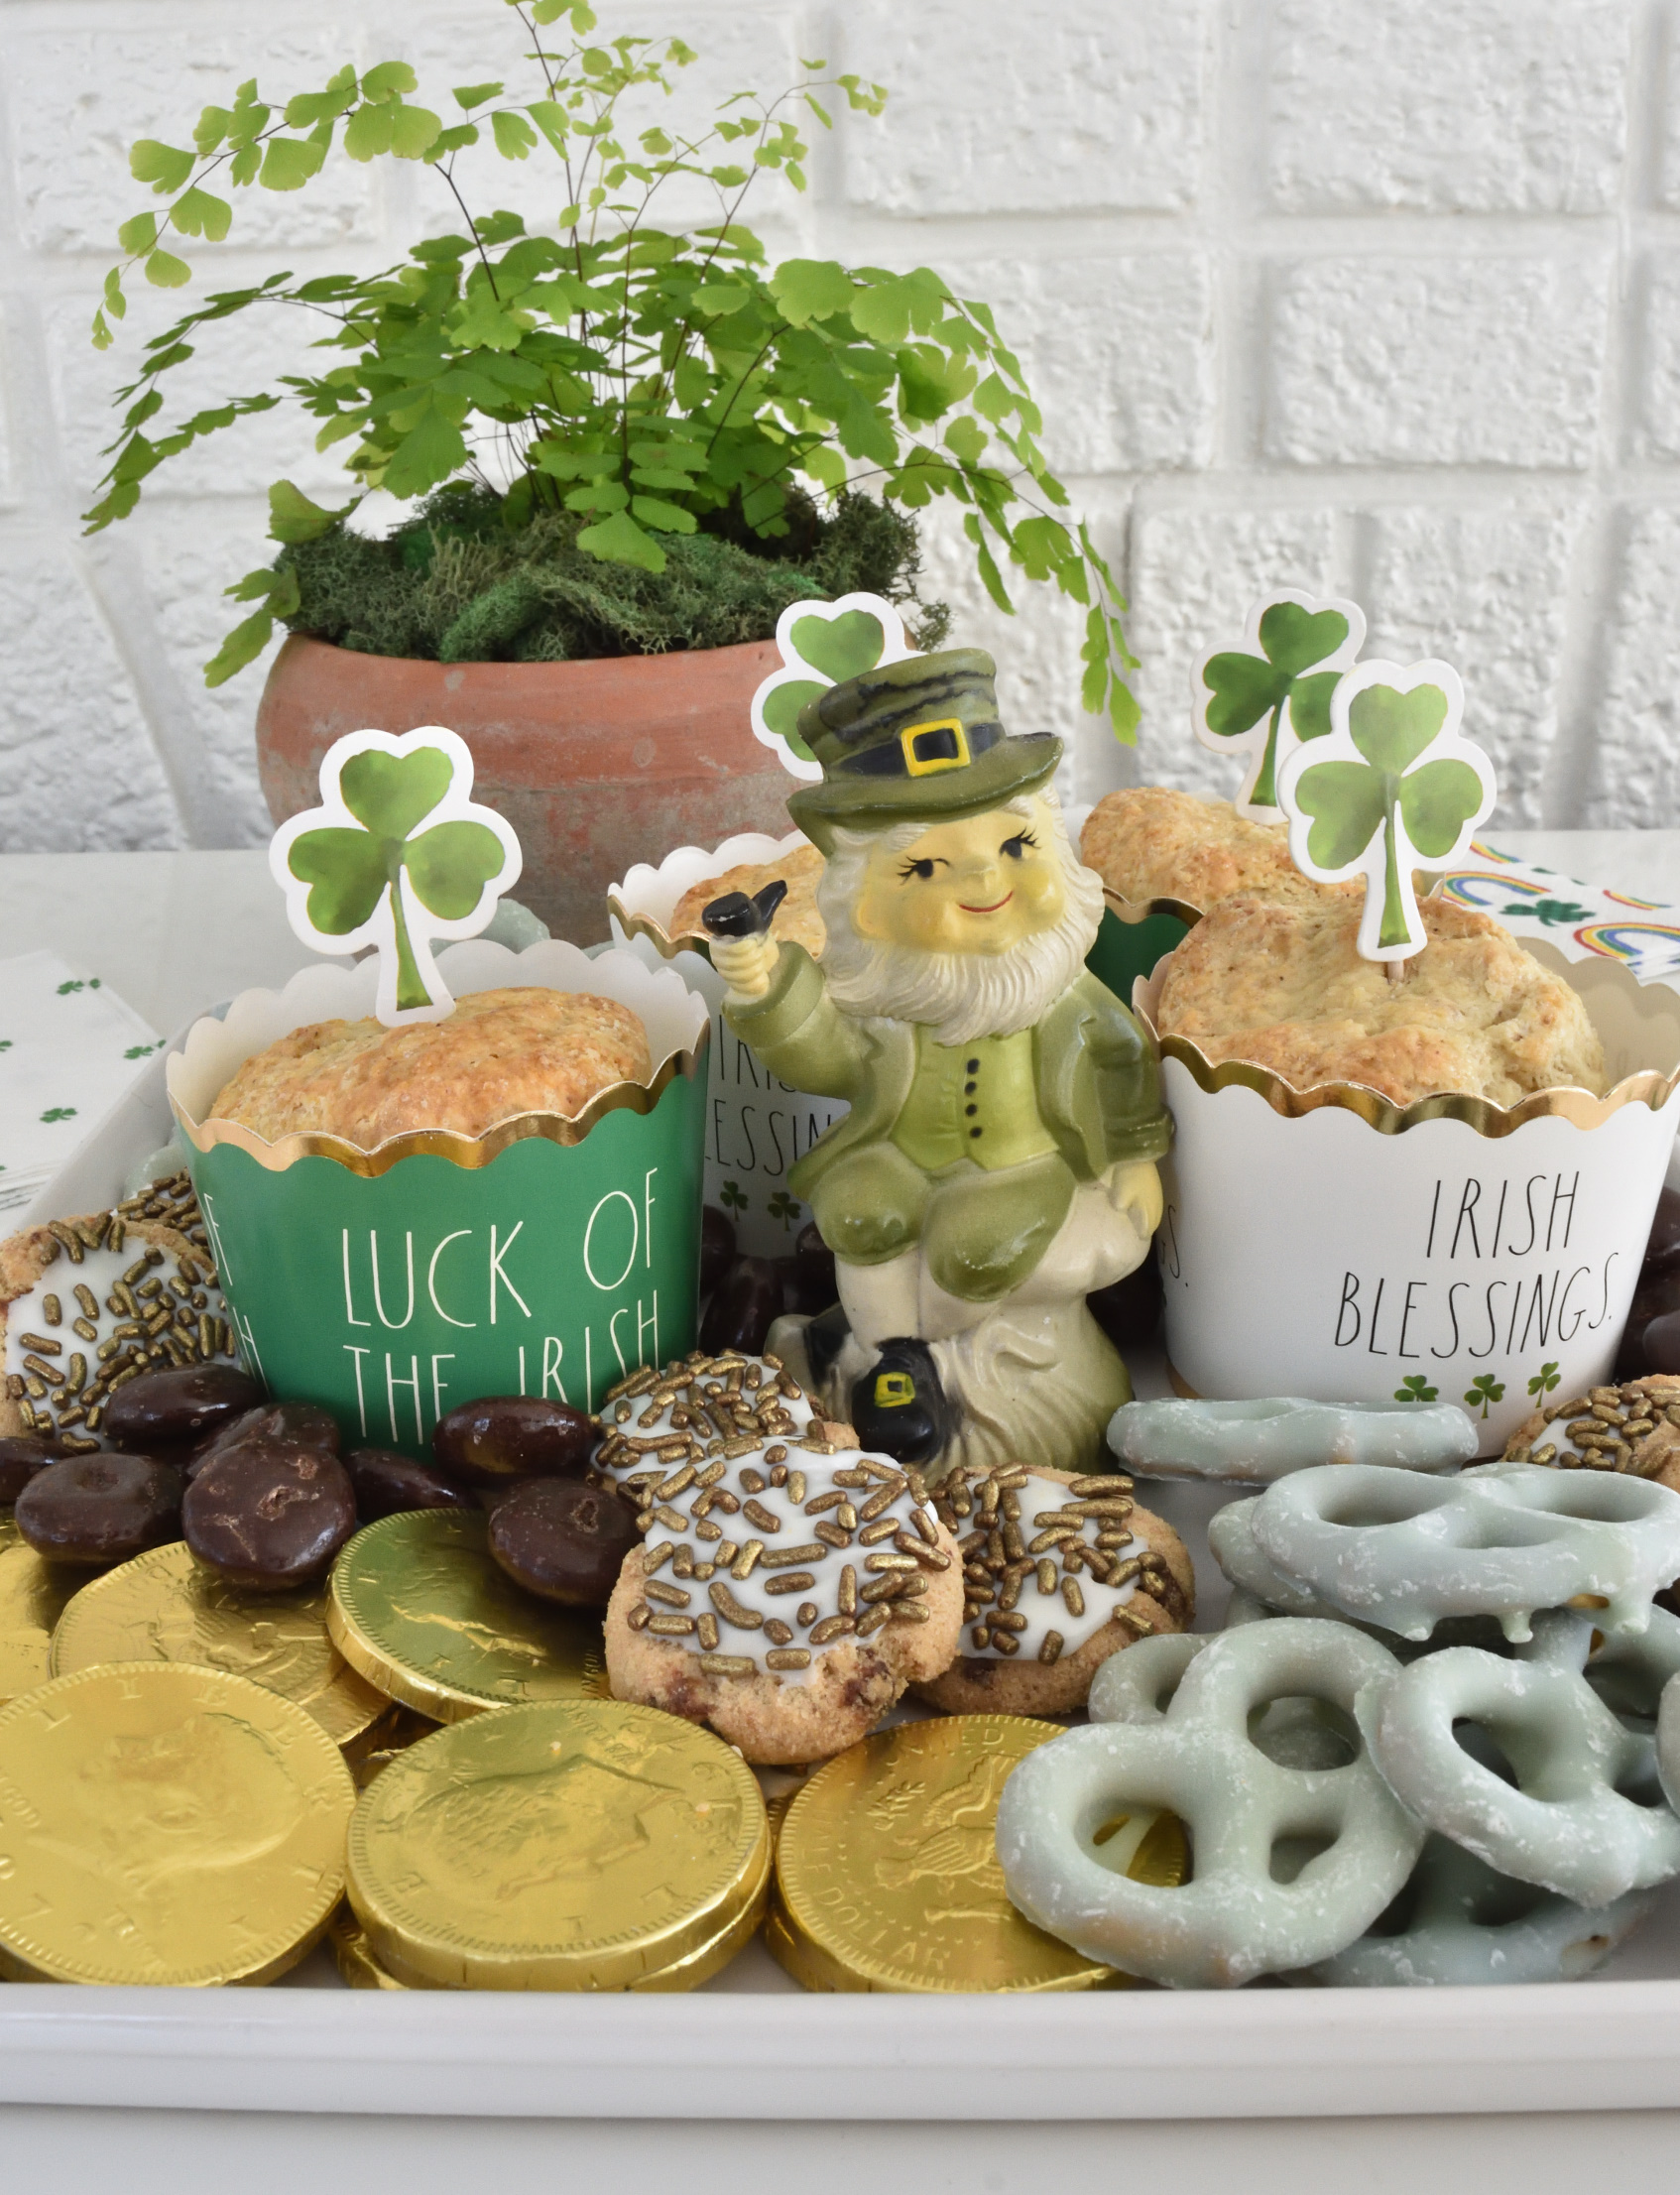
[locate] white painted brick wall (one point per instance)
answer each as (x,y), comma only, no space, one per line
(1379,295)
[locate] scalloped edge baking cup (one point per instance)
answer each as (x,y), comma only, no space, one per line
(1327,1241)
(757,1126)
(548,1256)
(644,901)
(568,1844)
(165,1824)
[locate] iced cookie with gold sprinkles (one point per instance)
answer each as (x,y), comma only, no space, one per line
(787,1589)
(89,1303)
(1058,1574)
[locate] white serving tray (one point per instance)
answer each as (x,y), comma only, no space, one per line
(750,2045)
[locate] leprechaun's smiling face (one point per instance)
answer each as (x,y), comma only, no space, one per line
(982,884)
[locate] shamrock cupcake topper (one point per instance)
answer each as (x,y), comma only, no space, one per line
(1391,783)
(397,856)
(822,644)
(1260,699)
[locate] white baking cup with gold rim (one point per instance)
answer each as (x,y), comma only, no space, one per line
(756,1126)
(1328,1243)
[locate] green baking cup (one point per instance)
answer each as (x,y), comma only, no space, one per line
(545,1258)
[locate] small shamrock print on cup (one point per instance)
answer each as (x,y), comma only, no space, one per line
(1415,1388)
(1543,1382)
(360,870)
(784,1207)
(732,1198)
(1486,1390)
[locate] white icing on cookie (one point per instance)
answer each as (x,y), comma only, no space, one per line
(1038,1553)
(84,1319)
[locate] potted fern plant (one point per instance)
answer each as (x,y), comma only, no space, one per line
(626,447)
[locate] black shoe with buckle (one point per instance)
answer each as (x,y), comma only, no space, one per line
(899,1407)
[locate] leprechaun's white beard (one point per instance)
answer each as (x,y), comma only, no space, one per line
(959,996)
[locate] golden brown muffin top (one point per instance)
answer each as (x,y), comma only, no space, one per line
(1282,984)
(1150,842)
(499,1053)
(795,922)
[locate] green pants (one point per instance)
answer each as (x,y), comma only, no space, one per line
(981,1232)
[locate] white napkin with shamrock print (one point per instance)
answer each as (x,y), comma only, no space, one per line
(68,1049)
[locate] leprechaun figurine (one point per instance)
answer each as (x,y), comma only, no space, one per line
(998,1162)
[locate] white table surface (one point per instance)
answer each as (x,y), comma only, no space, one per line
(175,931)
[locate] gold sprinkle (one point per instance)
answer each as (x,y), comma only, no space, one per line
(745,1560)
(728,1665)
(797,1487)
(788,1658)
(794,1581)
(672,1626)
(708,1630)
(831,1627)
(755,1514)
(890,1563)
(1051,1649)
(639,1616)
(782,1558)
(1046,1575)
(805,1613)
(668,1596)
(41,1341)
(1074,1598)
(51,1310)
(731,1610)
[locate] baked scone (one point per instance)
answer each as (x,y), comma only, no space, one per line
(1038,1627)
(1634,1429)
(1151,842)
(499,1053)
(81,1304)
(1282,983)
(795,922)
(790,1586)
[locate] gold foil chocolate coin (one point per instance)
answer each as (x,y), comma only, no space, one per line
(352,1954)
(161,1823)
(165,1607)
(33,1594)
(417,1607)
(887,1874)
(568,1845)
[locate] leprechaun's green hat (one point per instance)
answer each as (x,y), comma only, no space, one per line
(914,741)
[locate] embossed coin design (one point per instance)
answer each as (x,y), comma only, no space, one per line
(887,1876)
(164,1824)
(417,1607)
(33,1596)
(568,1845)
(165,1607)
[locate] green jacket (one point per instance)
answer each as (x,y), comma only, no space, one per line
(1097,1080)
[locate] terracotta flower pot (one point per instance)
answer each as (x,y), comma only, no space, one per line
(596,765)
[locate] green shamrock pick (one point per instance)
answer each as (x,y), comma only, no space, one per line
(1391,783)
(822,644)
(1262,698)
(397,855)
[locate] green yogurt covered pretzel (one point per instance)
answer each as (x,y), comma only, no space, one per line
(1259,1442)
(1462,1923)
(1289,1864)
(1668,1743)
(1579,1818)
(1403,1551)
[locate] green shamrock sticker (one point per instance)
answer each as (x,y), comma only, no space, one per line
(1265,697)
(397,855)
(821,645)
(1390,785)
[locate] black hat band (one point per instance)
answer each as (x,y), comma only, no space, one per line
(924,750)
